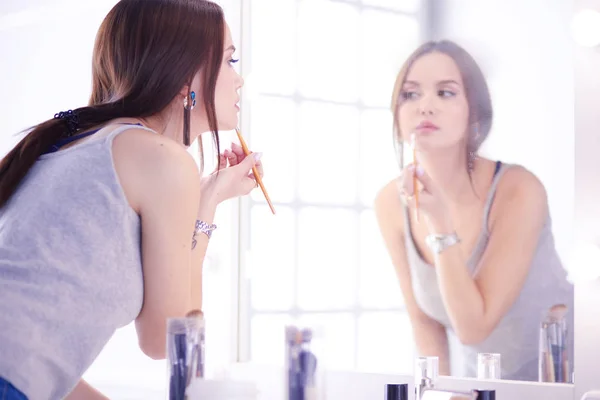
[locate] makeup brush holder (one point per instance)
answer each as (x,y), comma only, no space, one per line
(304,363)
(554,362)
(185,354)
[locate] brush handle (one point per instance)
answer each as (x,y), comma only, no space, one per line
(255,171)
(415,180)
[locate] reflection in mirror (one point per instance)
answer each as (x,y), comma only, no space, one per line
(319,110)
(470,237)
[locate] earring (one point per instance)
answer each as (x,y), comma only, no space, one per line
(471,156)
(189,105)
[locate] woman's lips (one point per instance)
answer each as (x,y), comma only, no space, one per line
(427,126)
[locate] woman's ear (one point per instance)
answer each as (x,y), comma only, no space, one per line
(185,91)
(194,85)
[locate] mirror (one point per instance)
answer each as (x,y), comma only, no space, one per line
(317,104)
(319,79)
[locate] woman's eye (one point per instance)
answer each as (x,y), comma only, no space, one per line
(407,95)
(446,93)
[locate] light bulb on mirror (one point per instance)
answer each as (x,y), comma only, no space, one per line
(584,265)
(585,28)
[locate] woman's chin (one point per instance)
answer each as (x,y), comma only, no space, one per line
(229,124)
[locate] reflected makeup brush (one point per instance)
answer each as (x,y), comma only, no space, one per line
(554,358)
(558,347)
(415,180)
(558,312)
(195,313)
(255,170)
(197,356)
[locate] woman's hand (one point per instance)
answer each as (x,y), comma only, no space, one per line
(430,200)
(233,178)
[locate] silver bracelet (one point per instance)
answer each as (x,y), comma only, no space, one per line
(202,227)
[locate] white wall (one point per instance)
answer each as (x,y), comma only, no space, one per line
(524,50)
(46,50)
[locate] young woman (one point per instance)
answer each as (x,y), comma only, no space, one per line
(476,262)
(104,216)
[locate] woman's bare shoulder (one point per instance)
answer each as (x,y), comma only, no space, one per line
(519,187)
(518,180)
(146,161)
(388,204)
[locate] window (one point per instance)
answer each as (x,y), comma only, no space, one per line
(318,89)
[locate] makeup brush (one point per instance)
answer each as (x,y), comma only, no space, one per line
(415,180)
(196,369)
(557,314)
(255,170)
(195,314)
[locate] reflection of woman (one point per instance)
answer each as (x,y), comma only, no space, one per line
(477,267)
(104,218)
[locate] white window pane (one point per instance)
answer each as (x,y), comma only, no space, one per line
(338,338)
(327,258)
(378,282)
(267,338)
(385,343)
(271,259)
(378,162)
(409,6)
(328,153)
(328,50)
(273,51)
(387,40)
(272,132)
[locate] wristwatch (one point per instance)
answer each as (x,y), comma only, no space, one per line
(438,242)
(205,228)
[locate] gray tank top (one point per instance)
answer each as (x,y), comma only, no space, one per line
(70,268)
(516,337)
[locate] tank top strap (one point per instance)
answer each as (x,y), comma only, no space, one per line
(501,168)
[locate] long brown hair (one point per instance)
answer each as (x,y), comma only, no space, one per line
(146,51)
(476,92)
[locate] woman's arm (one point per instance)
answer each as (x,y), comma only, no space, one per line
(430,336)
(206,213)
(83,391)
(475,306)
(162,183)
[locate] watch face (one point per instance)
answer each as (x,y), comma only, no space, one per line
(433,242)
(437,243)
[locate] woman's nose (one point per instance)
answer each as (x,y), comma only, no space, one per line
(426,105)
